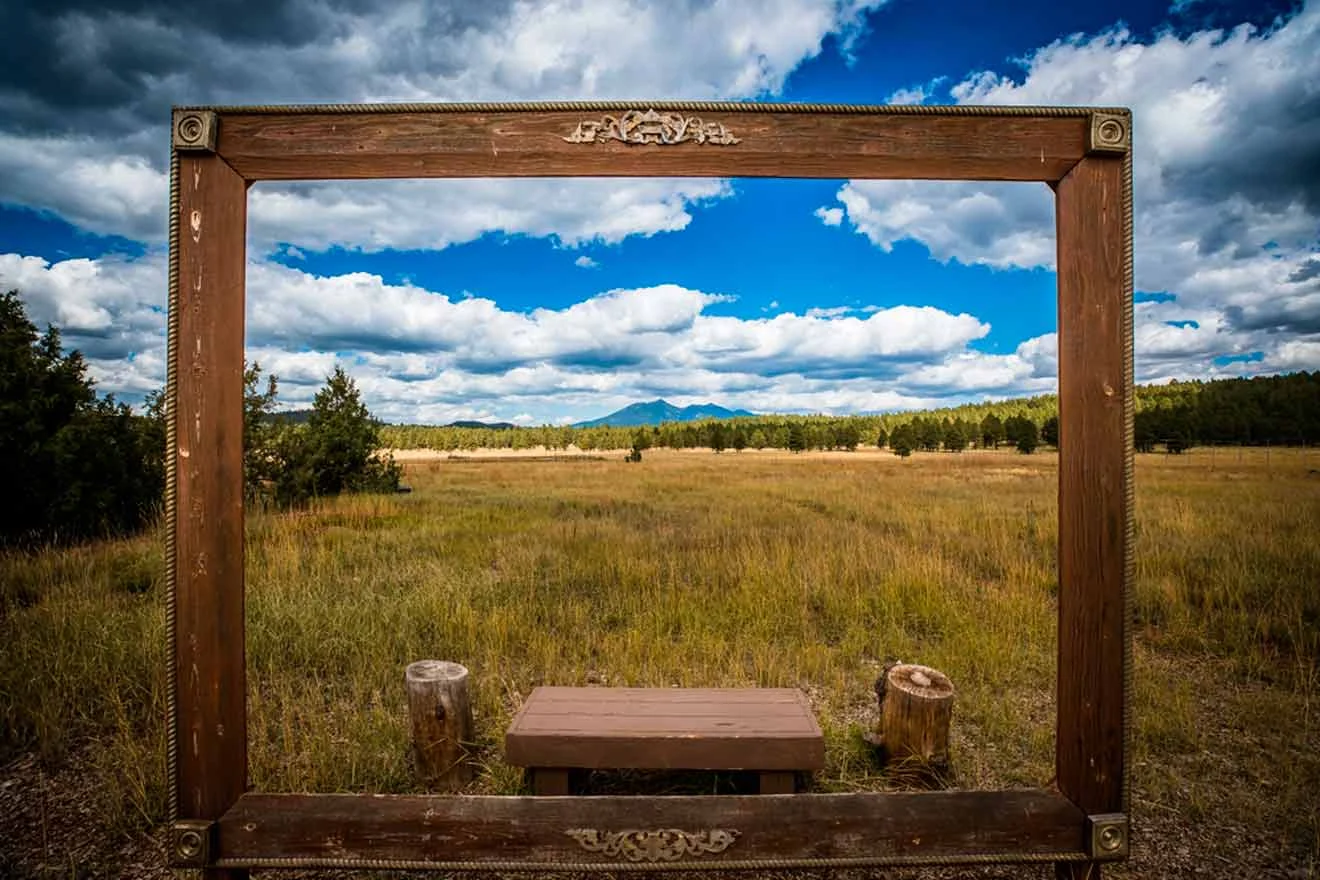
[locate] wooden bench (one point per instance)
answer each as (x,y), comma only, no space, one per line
(767,730)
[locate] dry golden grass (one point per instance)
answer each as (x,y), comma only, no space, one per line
(690,568)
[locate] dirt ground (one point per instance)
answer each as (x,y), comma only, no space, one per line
(50,830)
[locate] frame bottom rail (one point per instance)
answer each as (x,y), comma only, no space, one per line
(621,833)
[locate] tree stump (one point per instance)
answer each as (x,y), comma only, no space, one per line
(441,715)
(916,706)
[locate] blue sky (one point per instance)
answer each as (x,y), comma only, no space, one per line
(544,301)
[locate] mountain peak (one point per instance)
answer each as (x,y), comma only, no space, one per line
(658,411)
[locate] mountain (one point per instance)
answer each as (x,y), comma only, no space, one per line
(657,411)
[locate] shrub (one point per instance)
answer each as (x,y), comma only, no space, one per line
(75,466)
(334,452)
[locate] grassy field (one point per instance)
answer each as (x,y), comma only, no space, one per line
(742,569)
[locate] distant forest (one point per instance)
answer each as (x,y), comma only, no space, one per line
(1266,410)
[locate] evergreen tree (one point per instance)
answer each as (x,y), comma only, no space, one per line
(74,466)
(1049,431)
(797,437)
(848,436)
(259,429)
(992,431)
(903,440)
(1016,426)
(717,436)
(335,451)
(1027,438)
(929,434)
(954,438)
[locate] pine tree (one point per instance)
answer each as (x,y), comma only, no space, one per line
(954,438)
(73,465)
(1049,431)
(1027,437)
(903,440)
(335,451)
(992,431)
(797,437)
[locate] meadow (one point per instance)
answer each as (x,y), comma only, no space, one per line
(739,569)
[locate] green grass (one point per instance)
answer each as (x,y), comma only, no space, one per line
(694,569)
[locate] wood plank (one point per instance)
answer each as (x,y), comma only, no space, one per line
(663,725)
(550,780)
(782,711)
(210,725)
(532,832)
(299,145)
(607,752)
(668,696)
(778,782)
(1094,457)
(758,729)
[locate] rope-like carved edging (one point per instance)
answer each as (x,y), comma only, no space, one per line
(171,508)
(1129,513)
(594,867)
(696,106)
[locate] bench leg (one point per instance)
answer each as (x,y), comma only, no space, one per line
(778,782)
(549,780)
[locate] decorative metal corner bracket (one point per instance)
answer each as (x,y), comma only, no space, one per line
(651,127)
(191,843)
(1110,133)
(195,130)
(1108,837)
(661,845)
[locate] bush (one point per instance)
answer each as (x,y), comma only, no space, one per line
(334,452)
(75,466)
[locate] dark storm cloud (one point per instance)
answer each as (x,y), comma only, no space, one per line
(115,66)
(1307,271)
(1269,154)
(1293,317)
(1227,228)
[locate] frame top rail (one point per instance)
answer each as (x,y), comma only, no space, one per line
(669,105)
(651,139)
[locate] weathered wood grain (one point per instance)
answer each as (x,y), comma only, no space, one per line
(666,728)
(532,830)
(440,711)
(211,722)
(1093,466)
(777,782)
(916,714)
(264,146)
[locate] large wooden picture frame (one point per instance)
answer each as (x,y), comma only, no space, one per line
(1081,820)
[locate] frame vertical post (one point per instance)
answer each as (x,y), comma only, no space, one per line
(1095,459)
(210,719)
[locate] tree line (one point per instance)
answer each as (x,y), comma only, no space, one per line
(1264,410)
(77,465)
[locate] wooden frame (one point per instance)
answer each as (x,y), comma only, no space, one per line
(1082,153)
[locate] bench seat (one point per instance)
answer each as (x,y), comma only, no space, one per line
(771,731)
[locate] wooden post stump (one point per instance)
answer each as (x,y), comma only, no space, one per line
(441,715)
(916,706)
